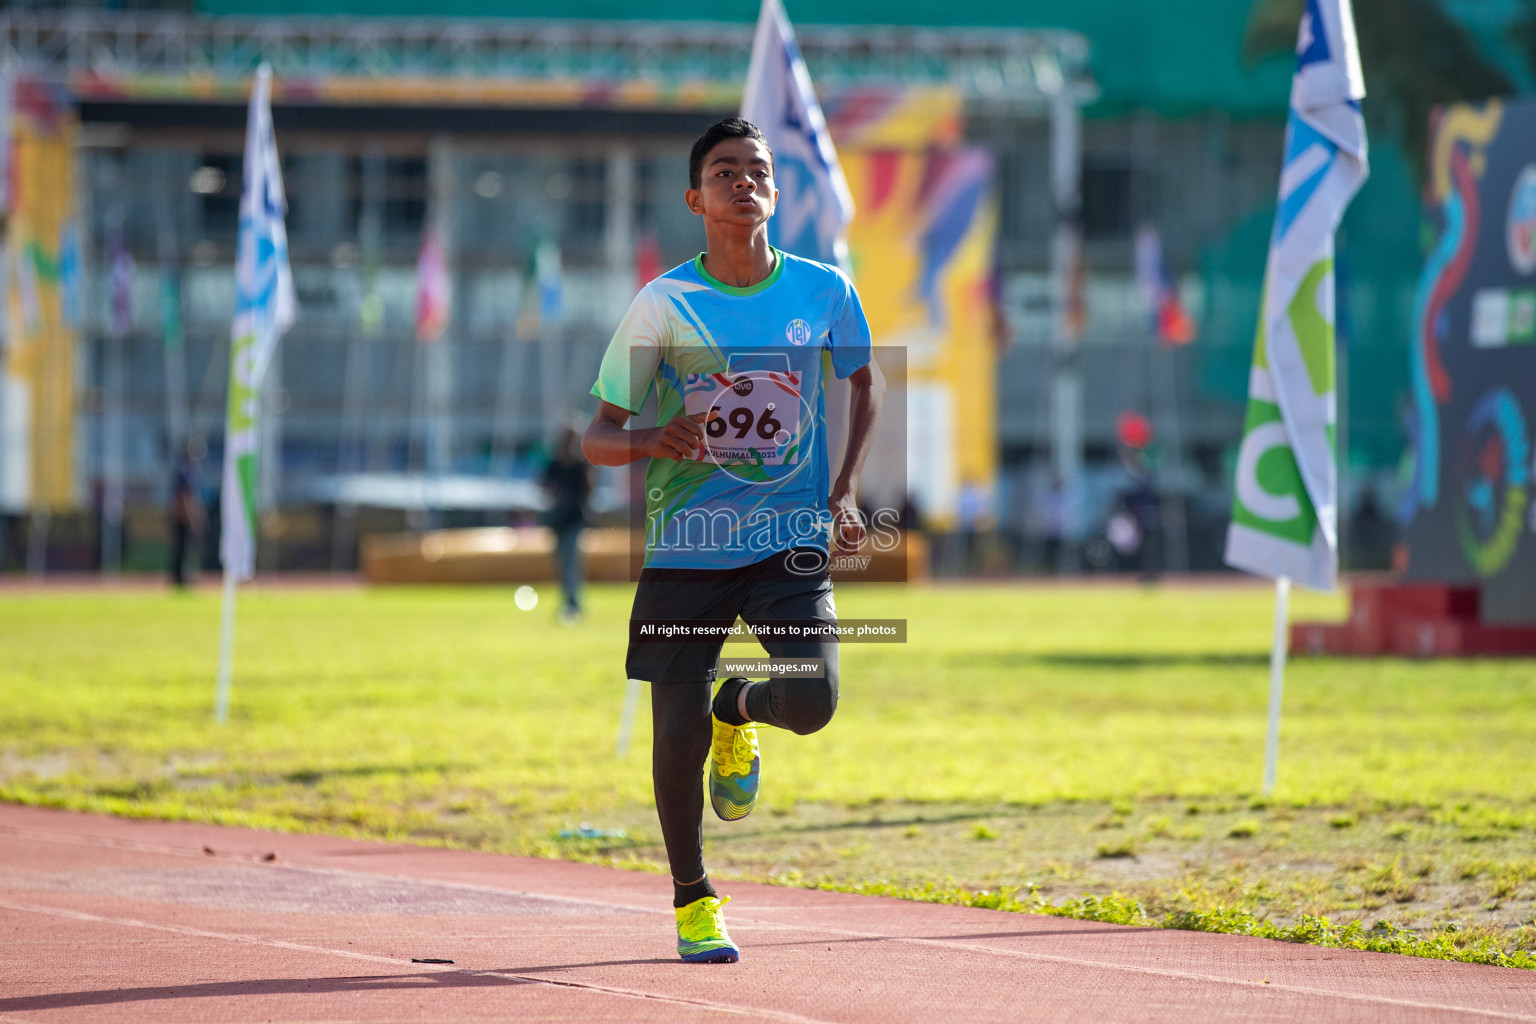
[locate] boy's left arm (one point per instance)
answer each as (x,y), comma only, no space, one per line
(868,395)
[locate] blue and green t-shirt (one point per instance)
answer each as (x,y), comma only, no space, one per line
(752,358)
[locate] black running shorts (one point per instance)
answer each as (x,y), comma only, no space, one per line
(777,589)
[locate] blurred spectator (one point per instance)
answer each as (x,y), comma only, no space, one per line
(1055,513)
(972,509)
(568,481)
(187,515)
(1143,505)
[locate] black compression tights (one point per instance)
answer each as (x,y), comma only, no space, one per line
(680,719)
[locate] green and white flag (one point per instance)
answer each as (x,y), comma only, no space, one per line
(264,310)
(1285,507)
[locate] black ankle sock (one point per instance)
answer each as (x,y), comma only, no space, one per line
(682,895)
(724,706)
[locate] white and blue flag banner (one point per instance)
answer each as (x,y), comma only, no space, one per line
(1285,506)
(264,310)
(815,205)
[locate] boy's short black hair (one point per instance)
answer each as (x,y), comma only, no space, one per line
(730,128)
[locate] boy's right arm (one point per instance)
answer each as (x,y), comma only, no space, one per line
(607,443)
(627,374)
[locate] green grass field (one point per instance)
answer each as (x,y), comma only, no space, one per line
(1027,747)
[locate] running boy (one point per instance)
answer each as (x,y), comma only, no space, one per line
(738,501)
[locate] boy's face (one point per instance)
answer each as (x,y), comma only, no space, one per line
(735,184)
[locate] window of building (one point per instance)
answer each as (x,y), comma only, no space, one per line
(1107,198)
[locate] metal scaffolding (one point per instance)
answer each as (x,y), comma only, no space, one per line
(1010,67)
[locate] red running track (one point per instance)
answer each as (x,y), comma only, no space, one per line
(108,919)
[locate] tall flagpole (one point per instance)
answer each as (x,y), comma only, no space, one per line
(173,337)
(779,98)
(1285,519)
(226,649)
(552,354)
(5,312)
(1276,681)
(264,309)
(361,343)
(439,352)
(120,275)
(1066,387)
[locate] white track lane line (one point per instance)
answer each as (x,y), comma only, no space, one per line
(1186,975)
(743,918)
(758,922)
(257,940)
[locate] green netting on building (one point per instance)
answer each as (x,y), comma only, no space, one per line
(1174,58)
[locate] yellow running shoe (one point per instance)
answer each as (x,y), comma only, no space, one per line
(734,770)
(701,934)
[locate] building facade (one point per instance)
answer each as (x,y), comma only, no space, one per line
(555,149)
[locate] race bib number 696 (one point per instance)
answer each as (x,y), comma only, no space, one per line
(754,416)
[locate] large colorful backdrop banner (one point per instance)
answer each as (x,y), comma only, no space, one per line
(921,246)
(41,288)
(1473,361)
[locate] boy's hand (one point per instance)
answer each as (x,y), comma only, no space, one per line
(847,521)
(679,439)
